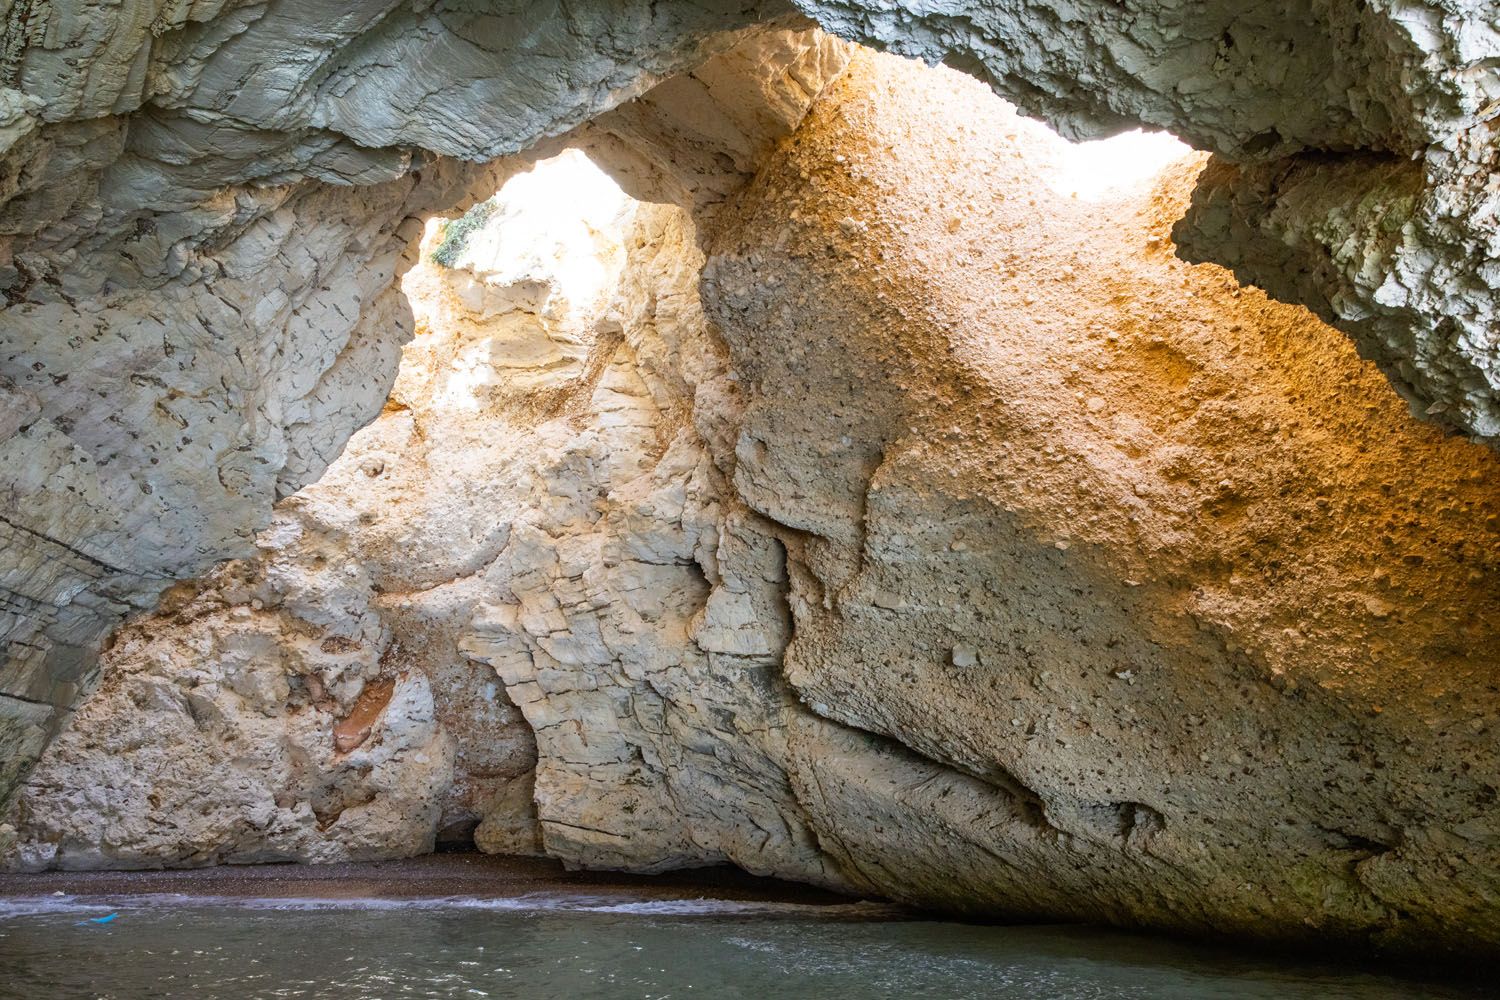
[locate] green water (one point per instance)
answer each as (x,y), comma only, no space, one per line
(536,947)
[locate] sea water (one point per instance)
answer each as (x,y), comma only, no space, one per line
(544,946)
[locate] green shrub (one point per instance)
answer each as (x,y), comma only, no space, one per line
(456,233)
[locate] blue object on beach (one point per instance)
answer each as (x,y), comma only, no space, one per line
(98,920)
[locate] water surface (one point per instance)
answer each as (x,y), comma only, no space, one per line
(573,944)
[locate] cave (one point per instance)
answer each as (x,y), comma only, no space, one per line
(1022,462)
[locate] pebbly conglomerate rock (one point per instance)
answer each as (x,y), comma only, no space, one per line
(1136,575)
(1378,207)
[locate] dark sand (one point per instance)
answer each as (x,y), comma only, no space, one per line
(435,875)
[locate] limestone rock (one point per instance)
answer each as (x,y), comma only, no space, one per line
(535,493)
(311,703)
(638,624)
(961,544)
(201,309)
(161,406)
(1399,253)
(1222,622)
(179,248)
(1263,78)
(223,724)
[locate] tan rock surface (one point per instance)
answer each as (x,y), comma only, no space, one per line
(1170,612)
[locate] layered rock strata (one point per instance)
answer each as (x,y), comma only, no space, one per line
(201,299)
(310,704)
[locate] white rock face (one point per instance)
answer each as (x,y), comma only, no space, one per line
(607,584)
(310,703)
(1391,250)
(225,724)
(154,410)
(536,494)
(639,623)
(629,606)
(1246,79)
(202,309)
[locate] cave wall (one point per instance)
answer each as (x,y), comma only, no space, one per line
(1259,80)
(201,310)
(253,668)
(308,703)
(1356,146)
(246,177)
(152,427)
(1127,587)
(923,532)
(1399,253)
(206,206)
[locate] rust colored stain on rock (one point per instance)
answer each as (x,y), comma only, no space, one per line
(355,728)
(338,644)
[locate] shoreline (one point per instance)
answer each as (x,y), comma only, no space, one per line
(430,876)
(478,882)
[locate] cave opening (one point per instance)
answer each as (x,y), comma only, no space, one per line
(338,691)
(326,711)
(845,479)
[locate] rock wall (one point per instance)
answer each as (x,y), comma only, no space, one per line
(958,543)
(150,428)
(536,493)
(1267,78)
(1288,588)
(1396,251)
(1376,208)
(1129,603)
(194,328)
(1128,584)
(310,703)
(640,629)
(203,208)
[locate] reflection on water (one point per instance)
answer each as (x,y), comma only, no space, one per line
(558,946)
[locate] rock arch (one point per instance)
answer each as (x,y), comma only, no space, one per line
(205,209)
